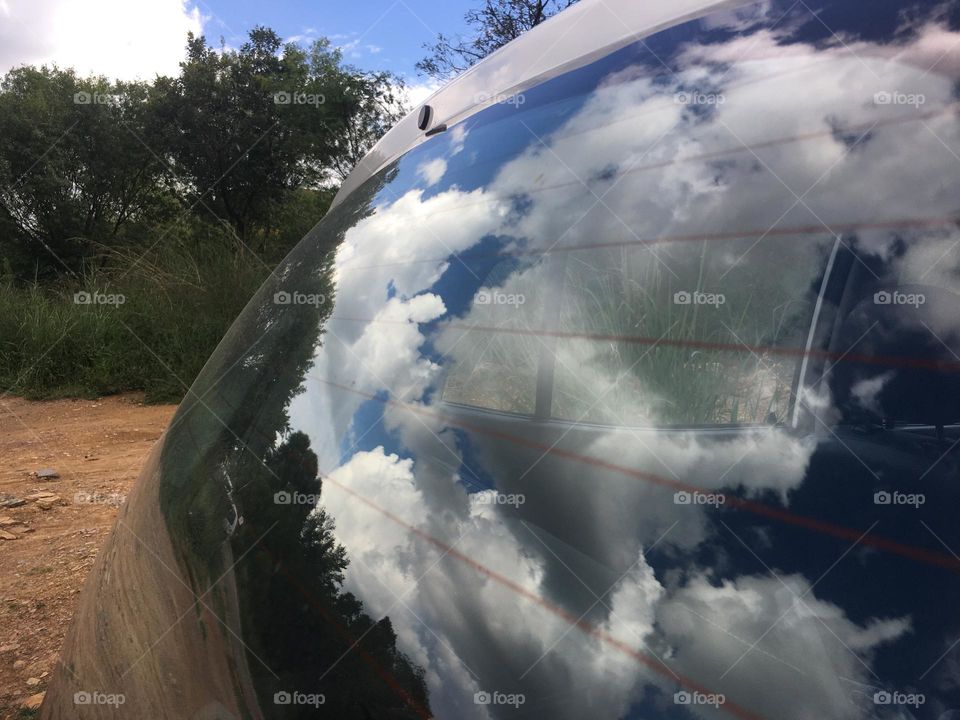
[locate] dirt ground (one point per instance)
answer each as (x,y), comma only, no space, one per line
(48,544)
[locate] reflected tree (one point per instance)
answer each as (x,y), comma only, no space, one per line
(239,492)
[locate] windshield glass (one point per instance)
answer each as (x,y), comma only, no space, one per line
(633,395)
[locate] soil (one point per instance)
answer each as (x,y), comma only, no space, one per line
(48,544)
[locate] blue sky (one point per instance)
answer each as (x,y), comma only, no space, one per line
(127,39)
(374,34)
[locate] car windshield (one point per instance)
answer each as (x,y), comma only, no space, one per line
(633,394)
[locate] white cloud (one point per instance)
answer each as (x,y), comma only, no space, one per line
(417,93)
(353,47)
(389,347)
(809,658)
(437,620)
(432,171)
(373,242)
(808,662)
(115,38)
(458,139)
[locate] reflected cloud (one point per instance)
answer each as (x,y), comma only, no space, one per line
(773,641)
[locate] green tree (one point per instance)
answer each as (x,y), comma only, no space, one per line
(245,128)
(74,172)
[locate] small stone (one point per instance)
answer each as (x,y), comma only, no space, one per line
(47,474)
(40,496)
(6,521)
(33,682)
(33,702)
(9,648)
(48,503)
(4,535)
(19,664)
(12,503)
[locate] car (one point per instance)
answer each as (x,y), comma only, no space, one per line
(620,381)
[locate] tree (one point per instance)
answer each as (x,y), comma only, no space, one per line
(223,129)
(248,127)
(74,172)
(243,144)
(374,101)
(495,23)
(301,626)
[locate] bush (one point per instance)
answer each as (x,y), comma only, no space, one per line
(176,306)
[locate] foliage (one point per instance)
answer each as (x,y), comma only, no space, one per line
(494,24)
(74,171)
(177,305)
(245,128)
(180,194)
(89,166)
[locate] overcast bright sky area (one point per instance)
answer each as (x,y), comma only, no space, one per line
(141,38)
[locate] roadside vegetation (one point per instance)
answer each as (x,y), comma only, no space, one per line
(137,219)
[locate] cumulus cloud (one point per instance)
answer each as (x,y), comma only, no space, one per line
(439,618)
(432,171)
(115,38)
(389,348)
(376,253)
(417,93)
(484,630)
(776,646)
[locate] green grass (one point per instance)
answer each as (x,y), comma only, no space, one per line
(177,306)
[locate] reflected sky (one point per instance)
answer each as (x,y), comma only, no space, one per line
(507,326)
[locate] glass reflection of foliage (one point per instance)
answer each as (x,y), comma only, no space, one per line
(626,292)
(498,370)
(229,450)
(297,621)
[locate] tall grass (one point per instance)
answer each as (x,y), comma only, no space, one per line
(184,279)
(176,307)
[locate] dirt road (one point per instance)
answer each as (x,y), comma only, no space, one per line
(48,544)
